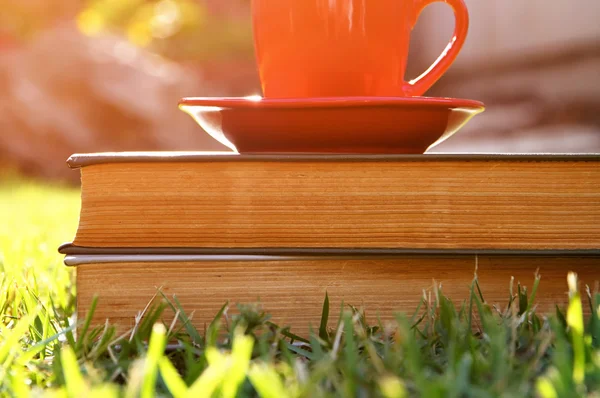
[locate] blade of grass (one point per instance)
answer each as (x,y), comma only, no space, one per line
(81,338)
(185,320)
(212,331)
(210,379)
(350,347)
(523,301)
(267,382)
(536,284)
(241,354)
(300,351)
(416,313)
(156,349)
(324,319)
(286,332)
(575,322)
(69,330)
(75,385)
(315,346)
(595,322)
(173,381)
(471,299)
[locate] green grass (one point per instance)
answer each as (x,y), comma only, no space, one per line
(444,349)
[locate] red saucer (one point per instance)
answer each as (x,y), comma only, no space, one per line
(331,125)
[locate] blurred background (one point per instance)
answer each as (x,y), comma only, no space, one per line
(106,75)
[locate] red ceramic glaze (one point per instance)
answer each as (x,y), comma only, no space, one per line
(331,125)
(335,48)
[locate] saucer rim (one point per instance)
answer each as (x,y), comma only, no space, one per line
(327,102)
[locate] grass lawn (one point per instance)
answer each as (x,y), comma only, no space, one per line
(443,349)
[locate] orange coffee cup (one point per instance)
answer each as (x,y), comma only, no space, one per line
(341,48)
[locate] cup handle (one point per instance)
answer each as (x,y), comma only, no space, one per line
(420,85)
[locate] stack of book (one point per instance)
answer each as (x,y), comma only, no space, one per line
(373,231)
